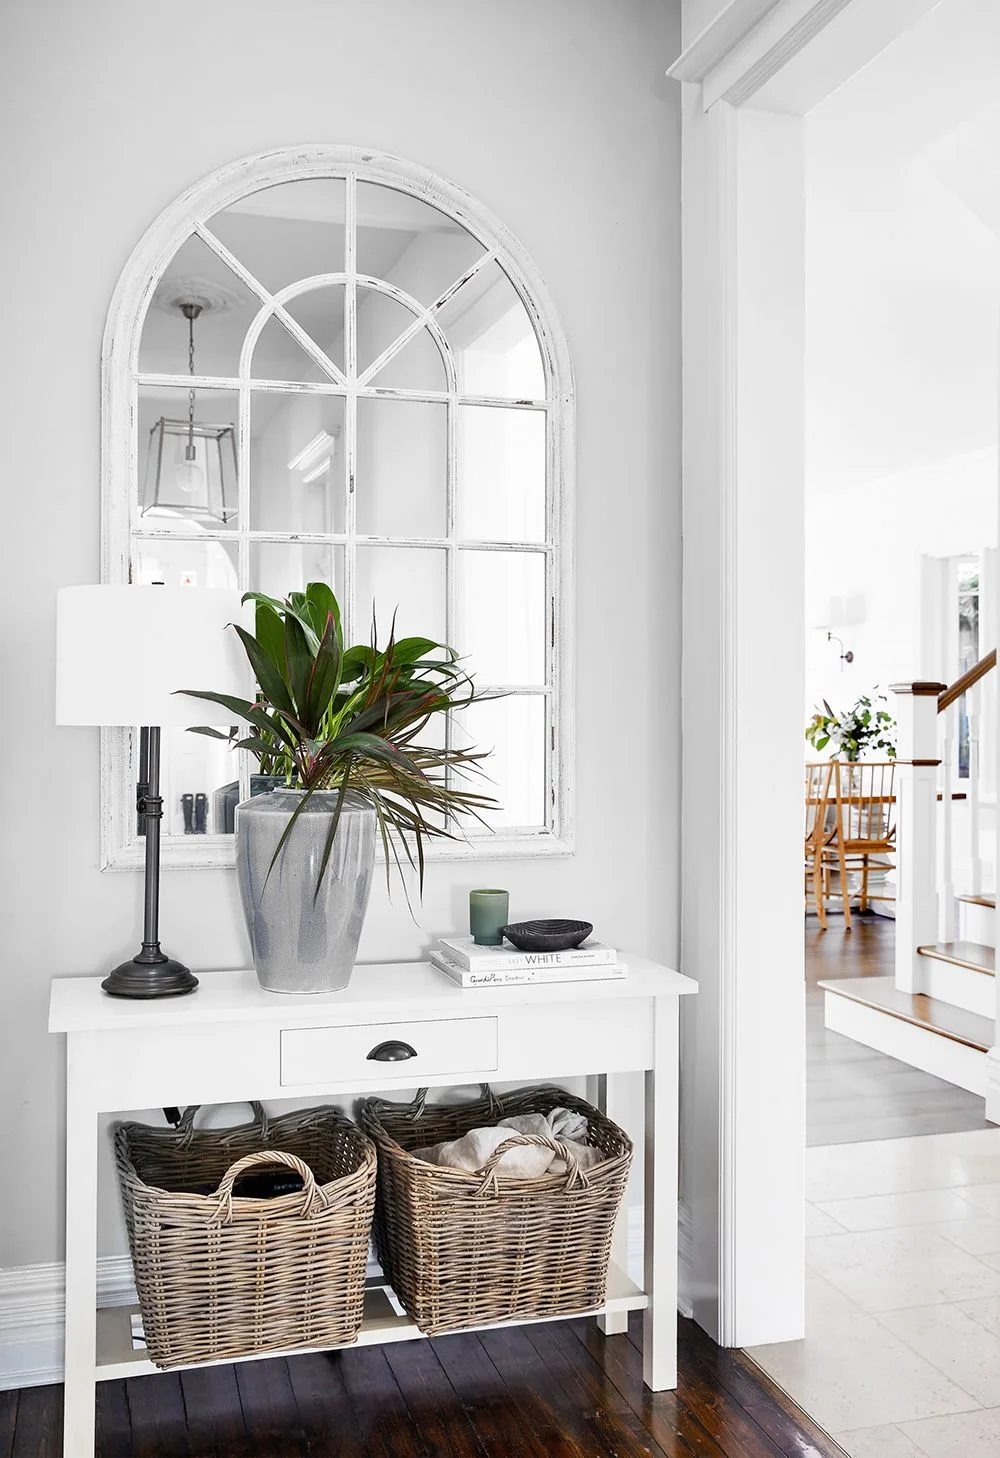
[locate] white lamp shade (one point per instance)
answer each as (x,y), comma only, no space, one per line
(122,651)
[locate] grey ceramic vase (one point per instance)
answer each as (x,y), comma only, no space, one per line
(302,942)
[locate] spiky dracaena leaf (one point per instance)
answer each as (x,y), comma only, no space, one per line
(352,721)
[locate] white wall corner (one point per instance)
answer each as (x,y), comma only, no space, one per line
(32,1310)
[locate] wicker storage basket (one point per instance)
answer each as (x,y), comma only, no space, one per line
(466,1250)
(221,1276)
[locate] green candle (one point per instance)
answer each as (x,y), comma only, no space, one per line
(487,915)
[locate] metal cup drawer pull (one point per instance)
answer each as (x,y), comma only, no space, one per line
(357,1050)
(394,1051)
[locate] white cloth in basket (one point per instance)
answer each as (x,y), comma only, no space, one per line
(524,1161)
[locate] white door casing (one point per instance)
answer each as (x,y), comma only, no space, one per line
(748,80)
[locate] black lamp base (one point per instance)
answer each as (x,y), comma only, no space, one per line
(139,978)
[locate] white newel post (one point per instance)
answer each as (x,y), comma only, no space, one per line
(916,828)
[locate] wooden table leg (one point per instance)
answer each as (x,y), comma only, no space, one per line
(659,1327)
(610,1100)
(81,1263)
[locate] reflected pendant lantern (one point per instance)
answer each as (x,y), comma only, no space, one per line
(191,468)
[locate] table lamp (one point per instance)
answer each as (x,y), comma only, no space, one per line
(121,654)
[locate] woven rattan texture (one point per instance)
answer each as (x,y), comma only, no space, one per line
(221,1277)
(465,1250)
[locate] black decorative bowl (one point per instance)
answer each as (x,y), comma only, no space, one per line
(554,935)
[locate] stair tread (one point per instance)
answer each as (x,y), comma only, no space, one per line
(928,1013)
(986,900)
(972,955)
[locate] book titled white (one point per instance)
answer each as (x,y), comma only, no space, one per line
(526,976)
(464,951)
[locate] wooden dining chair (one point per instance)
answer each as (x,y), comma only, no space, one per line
(820,803)
(863,835)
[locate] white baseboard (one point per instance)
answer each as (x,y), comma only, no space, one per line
(32,1309)
(33,1303)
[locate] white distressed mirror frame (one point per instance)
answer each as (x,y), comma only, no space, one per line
(120,848)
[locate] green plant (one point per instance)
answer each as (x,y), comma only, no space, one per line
(350,719)
(863,726)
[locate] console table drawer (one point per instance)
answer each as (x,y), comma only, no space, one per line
(388,1051)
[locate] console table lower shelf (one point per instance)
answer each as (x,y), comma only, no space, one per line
(383,1322)
(231,1041)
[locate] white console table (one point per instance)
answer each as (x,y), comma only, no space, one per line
(231,1041)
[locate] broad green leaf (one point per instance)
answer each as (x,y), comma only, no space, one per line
(324,679)
(298,667)
(270,631)
(211,733)
(323,604)
(252,713)
(271,681)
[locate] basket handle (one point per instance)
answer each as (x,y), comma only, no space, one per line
(186,1125)
(416,1108)
(310,1191)
(575,1176)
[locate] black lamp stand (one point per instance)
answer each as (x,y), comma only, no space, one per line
(151,973)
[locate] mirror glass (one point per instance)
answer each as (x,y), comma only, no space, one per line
(436,250)
(402,470)
(298,469)
(392,426)
(288,232)
(494,341)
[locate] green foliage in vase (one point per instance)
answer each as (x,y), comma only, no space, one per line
(862,727)
(351,720)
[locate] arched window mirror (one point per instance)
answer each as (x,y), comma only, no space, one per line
(327,363)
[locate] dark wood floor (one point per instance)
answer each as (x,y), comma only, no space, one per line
(559,1390)
(854,1093)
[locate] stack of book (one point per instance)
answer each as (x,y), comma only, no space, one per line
(469,965)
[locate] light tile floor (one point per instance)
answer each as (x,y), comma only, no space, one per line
(901,1357)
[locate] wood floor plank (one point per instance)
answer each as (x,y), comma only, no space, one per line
(791,1431)
(38,1432)
(328,1422)
(269,1408)
(492,1408)
(613,1425)
(441,1420)
(379,1408)
(698,1419)
(517,1362)
(215,1412)
(8,1420)
(114,1425)
(158,1417)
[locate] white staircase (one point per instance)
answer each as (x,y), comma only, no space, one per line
(977,919)
(938,1011)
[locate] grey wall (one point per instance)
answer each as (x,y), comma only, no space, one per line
(557,116)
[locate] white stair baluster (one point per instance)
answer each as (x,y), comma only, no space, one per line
(916,828)
(946,900)
(972,708)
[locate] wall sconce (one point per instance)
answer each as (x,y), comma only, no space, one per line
(846,655)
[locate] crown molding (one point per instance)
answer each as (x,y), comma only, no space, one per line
(749,43)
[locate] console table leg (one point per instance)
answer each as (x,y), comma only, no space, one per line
(610,1100)
(81,1266)
(659,1328)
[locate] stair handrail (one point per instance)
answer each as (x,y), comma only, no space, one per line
(969,678)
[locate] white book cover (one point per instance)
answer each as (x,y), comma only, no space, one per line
(525,976)
(464,951)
